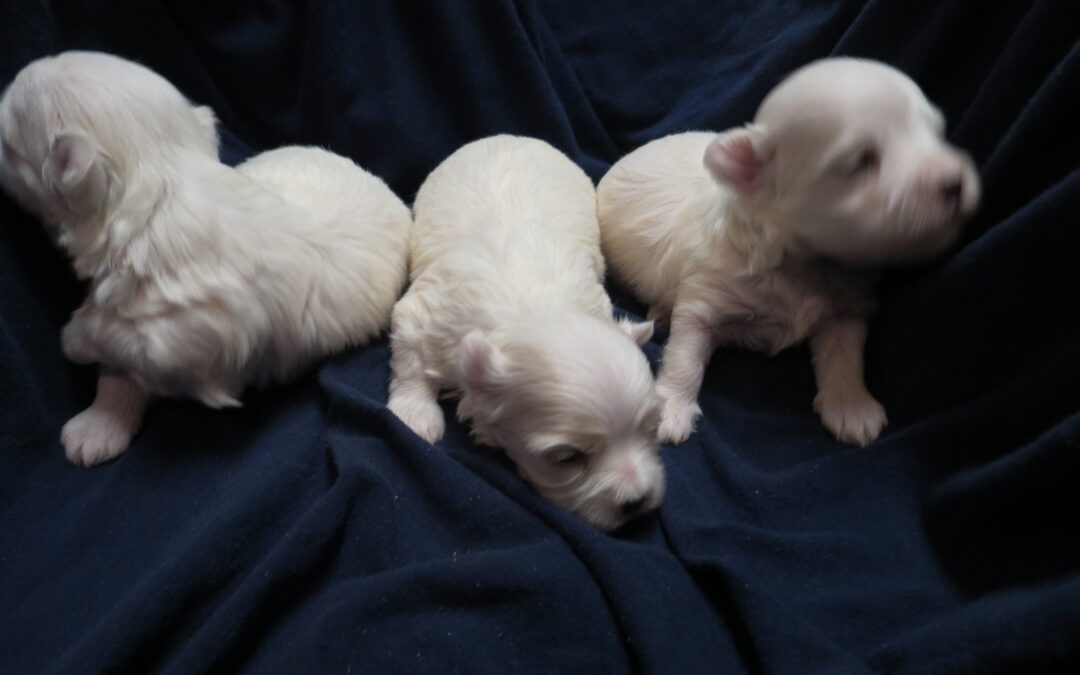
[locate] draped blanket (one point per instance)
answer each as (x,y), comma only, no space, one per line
(310,531)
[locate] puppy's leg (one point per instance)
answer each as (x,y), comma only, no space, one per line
(104,430)
(846,408)
(681,371)
(413,393)
(75,340)
(661,316)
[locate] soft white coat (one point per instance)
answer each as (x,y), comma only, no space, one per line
(203,279)
(507,310)
(766,235)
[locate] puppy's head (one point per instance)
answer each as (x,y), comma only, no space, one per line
(77,128)
(849,157)
(572,403)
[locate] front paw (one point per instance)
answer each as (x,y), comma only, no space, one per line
(422,414)
(677,420)
(853,418)
(95,436)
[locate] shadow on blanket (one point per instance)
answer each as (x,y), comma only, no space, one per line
(311,532)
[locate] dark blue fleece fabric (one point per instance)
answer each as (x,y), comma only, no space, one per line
(310,531)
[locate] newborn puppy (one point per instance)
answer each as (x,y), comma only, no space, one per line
(772,241)
(506,308)
(203,278)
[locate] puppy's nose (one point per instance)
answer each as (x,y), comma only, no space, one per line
(632,508)
(952,191)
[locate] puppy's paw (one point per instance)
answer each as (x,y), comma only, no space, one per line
(854,418)
(95,436)
(677,420)
(422,414)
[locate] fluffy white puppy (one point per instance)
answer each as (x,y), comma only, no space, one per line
(507,309)
(763,236)
(203,278)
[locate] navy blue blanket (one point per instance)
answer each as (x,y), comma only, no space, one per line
(310,531)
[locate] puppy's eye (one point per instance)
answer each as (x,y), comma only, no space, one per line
(566,456)
(651,424)
(863,161)
(7,152)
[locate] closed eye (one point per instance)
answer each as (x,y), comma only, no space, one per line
(861,162)
(566,456)
(650,424)
(7,153)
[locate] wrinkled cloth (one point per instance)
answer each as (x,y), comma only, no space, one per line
(310,531)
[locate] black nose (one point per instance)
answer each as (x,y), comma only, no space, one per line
(952,191)
(632,508)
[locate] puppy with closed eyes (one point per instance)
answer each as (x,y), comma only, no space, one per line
(202,278)
(767,235)
(507,310)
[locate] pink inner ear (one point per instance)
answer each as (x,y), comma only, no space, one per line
(735,161)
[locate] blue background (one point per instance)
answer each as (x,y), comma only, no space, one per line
(310,531)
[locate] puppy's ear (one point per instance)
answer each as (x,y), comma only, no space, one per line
(76,173)
(205,115)
(482,367)
(208,120)
(736,159)
(639,331)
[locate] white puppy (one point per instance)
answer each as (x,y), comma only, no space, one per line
(203,278)
(506,308)
(771,241)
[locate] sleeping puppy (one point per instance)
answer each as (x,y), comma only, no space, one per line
(773,239)
(202,278)
(507,310)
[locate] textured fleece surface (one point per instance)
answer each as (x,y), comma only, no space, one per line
(310,531)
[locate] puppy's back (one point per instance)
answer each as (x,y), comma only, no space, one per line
(354,232)
(651,205)
(333,188)
(513,203)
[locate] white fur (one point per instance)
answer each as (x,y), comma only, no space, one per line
(507,310)
(763,236)
(203,278)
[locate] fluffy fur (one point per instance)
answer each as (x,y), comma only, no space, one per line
(203,278)
(506,309)
(765,235)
